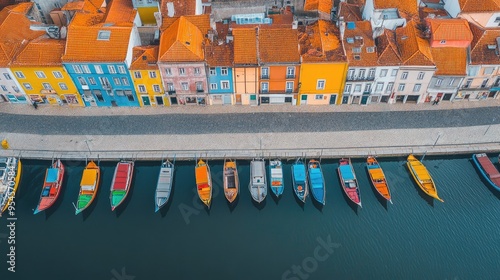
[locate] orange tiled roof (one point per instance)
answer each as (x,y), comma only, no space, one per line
(470,6)
(73,6)
(201,21)
(219,55)
(450,61)
(278,45)
(362,38)
(181,42)
(324,6)
(144,58)
(245,45)
(42,51)
(409,7)
(482,49)
(120,11)
(414,49)
(349,12)
(387,49)
(320,42)
(450,29)
(181,7)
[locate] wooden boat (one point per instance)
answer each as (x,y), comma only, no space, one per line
(276,177)
(203,182)
(316,181)
(258,184)
(348,180)
(122,180)
(51,186)
(378,178)
(487,169)
(88,187)
(299,180)
(231,182)
(164,185)
(422,177)
(10,175)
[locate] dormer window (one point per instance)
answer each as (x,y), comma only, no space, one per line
(356,50)
(350,40)
(104,35)
(443,42)
(357,57)
(370,49)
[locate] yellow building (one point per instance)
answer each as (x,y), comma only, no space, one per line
(146,77)
(324,66)
(38,69)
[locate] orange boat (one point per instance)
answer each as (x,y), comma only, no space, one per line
(203,182)
(51,186)
(378,178)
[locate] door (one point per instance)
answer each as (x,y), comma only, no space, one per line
(447,96)
(333,99)
(364,99)
(146,101)
(159,100)
(227,99)
(303,99)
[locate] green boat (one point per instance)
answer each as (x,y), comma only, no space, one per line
(88,187)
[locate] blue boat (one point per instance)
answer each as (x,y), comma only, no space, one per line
(299,180)
(316,181)
(276,177)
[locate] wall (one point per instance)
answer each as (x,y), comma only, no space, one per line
(333,73)
(189,76)
(277,78)
(14,92)
(218,78)
(148,82)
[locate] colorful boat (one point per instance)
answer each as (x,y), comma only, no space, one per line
(299,180)
(10,175)
(88,187)
(378,178)
(51,186)
(348,180)
(203,182)
(422,177)
(122,180)
(231,182)
(164,185)
(488,170)
(276,177)
(316,181)
(258,183)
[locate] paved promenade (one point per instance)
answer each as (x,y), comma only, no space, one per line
(247,132)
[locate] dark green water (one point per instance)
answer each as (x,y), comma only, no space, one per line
(415,238)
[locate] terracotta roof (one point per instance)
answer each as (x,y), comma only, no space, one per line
(450,29)
(144,58)
(245,45)
(201,21)
(350,12)
(42,51)
(414,49)
(219,55)
(181,42)
(181,7)
(409,7)
(120,11)
(427,12)
(480,52)
(91,6)
(360,36)
(324,6)
(320,42)
(447,66)
(387,49)
(282,20)
(468,6)
(278,45)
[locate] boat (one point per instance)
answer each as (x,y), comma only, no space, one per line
(258,184)
(488,170)
(204,182)
(51,186)
(348,180)
(164,185)
(231,182)
(316,181)
(120,186)
(299,180)
(378,179)
(88,187)
(10,175)
(276,177)
(422,177)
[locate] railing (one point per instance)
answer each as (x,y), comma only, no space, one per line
(199,90)
(171,92)
(290,76)
(360,78)
(264,77)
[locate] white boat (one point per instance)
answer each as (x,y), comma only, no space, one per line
(258,184)
(164,185)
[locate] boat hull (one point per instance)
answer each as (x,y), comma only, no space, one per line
(11,186)
(120,186)
(85,198)
(258,180)
(316,181)
(377,178)
(422,177)
(276,177)
(164,185)
(487,169)
(349,182)
(299,180)
(204,182)
(51,189)
(231,181)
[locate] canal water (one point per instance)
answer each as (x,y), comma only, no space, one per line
(414,238)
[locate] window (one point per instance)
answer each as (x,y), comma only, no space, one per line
(488,70)
(182,71)
(212,72)
(370,49)
(168,71)
(362,73)
(497,19)
(420,76)
(389,87)
(357,57)
(98,69)
(452,81)
(4,88)
(125,81)
(350,74)
(120,93)
(223,71)
(111,69)
(290,72)
(383,73)
(57,74)
(20,75)
(104,35)
(63,86)
(82,81)
(357,88)
(404,75)
(467,83)
(92,81)
(379,87)
(320,84)
(152,74)
(156,88)
(47,86)
(371,73)
(197,71)
(137,74)
(356,50)
(485,82)
(443,42)
(27,86)
(77,69)
(394,72)
(213,86)
(347,88)
(116,80)
(318,97)
(350,40)
(142,88)
(86,69)
(264,87)
(129,95)
(121,69)
(170,87)
(265,73)
(401,87)
(40,74)
(98,95)
(199,86)
(439,81)
(224,84)
(15,88)
(104,81)
(416,87)
(289,87)
(185,86)
(368,87)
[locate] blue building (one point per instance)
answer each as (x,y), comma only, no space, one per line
(220,75)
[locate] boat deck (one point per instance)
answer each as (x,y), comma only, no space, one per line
(490,169)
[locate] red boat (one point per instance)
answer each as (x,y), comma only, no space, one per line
(348,181)
(51,187)
(488,170)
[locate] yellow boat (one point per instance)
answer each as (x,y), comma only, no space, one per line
(10,175)
(203,182)
(422,177)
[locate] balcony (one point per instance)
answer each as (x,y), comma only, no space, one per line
(290,76)
(356,78)
(264,77)
(200,90)
(170,92)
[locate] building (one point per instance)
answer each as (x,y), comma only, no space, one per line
(389,14)
(246,65)
(389,60)
(147,10)
(462,7)
(322,7)
(219,56)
